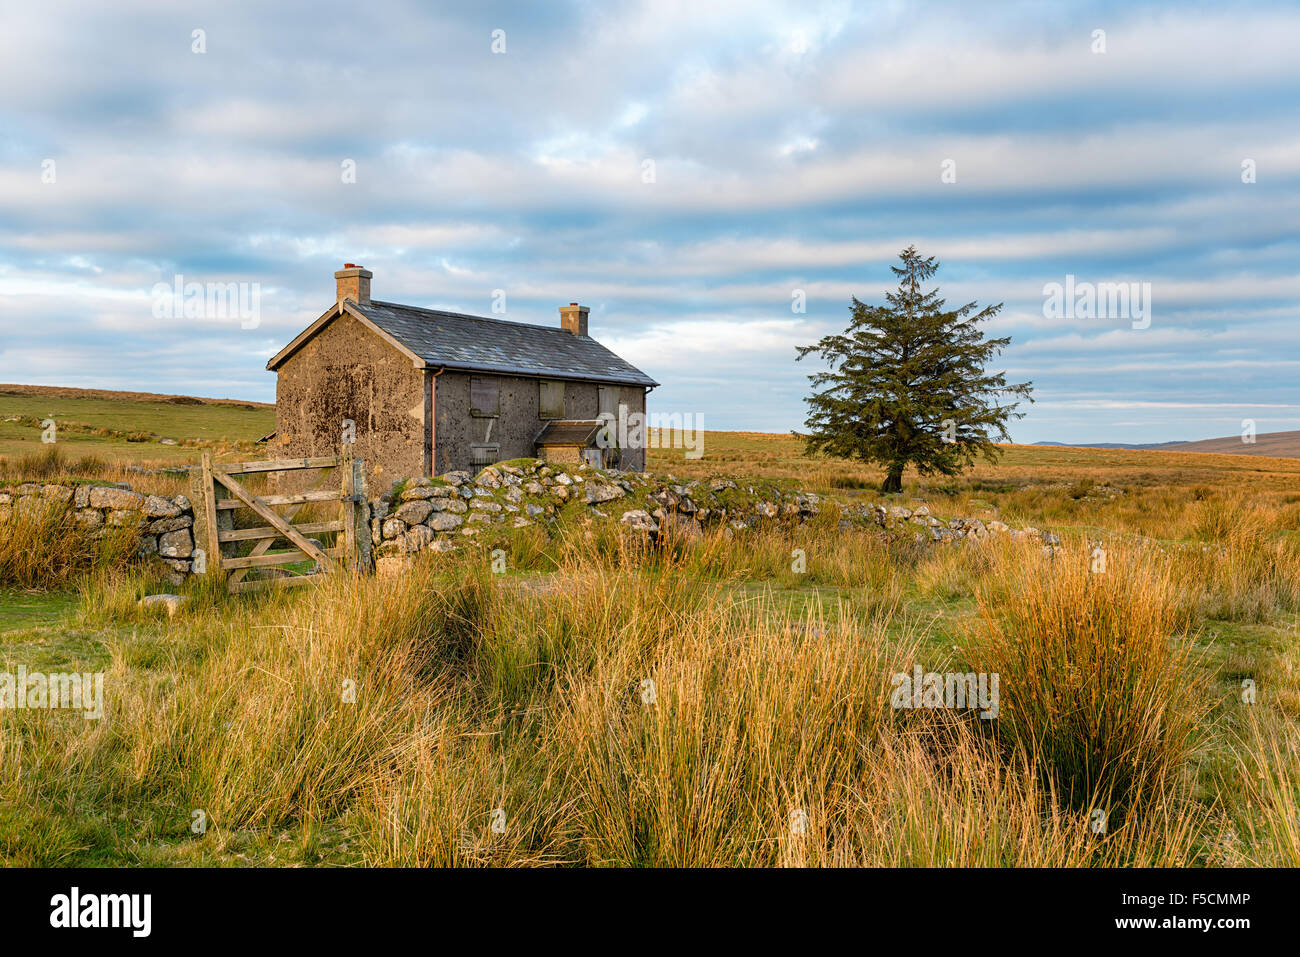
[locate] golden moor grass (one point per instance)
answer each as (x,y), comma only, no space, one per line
(604,716)
(46,547)
(1269,768)
(1097,678)
(722,700)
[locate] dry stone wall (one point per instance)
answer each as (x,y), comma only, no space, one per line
(438,513)
(163,525)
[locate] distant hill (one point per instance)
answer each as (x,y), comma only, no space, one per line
(66,392)
(1277,444)
(1114,445)
(1274,444)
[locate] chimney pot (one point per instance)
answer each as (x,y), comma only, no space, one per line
(353,282)
(573,319)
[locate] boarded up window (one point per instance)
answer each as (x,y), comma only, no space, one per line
(608,400)
(483,453)
(552,400)
(484,396)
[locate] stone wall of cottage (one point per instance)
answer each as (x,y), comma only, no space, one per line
(347,374)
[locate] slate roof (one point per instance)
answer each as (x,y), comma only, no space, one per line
(476,343)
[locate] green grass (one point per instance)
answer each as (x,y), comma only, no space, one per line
(43,632)
(28,609)
(210,423)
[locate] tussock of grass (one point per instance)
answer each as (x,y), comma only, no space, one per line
(1098,684)
(1269,768)
(49,464)
(48,548)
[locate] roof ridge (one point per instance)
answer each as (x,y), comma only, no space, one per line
(466,315)
(499,346)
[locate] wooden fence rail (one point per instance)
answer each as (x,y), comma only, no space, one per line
(219,496)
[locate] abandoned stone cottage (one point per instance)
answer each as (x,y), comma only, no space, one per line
(422,391)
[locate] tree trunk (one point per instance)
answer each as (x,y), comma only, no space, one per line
(894,480)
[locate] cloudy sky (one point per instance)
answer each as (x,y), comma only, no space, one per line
(684,168)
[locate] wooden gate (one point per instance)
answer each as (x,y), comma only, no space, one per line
(219,493)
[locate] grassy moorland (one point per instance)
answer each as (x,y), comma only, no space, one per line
(1157,493)
(120,427)
(703,702)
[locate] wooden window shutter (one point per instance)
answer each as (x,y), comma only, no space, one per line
(551,400)
(484,396)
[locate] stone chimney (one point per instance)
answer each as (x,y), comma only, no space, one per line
(354,283)
(573,318)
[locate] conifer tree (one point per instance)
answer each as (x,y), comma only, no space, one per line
(906,385)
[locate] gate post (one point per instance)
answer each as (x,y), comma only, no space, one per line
(204,502)
(349,507)
(362,519)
